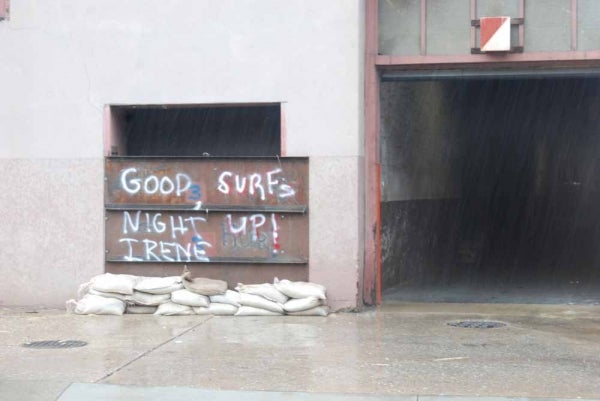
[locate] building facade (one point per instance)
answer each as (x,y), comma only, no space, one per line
(392,104)
(65,64)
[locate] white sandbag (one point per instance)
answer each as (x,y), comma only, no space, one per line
(218,309)
(201,310)
(318,311)
(119,283)
(252,311)
(257,301)
(266,290)
(96,305)
(300,289)
(300,304)
(142,298)
(140,309)
(230,297)
(185,297)
(201,285)
(159,285)
(172,309)
(84,289)
(122,297)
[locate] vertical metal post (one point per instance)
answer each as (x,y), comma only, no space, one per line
(423,27)
(522,26)
(573,25)
(473,28)
(371,288)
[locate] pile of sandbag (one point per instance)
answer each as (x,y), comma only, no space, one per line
(115,294)
(304,299)
(282,297)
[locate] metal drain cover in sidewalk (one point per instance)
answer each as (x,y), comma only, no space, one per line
(477,324)
(55,344)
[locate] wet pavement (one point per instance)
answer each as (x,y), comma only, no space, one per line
(401,349)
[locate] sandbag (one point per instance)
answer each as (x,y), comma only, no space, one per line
(252,311)
(140,309)
(297,305)
(230,297)
(201,310)
(122,297)
(142,298)
(172,309)
(203,286)
(84,289)
(96,305)
(119,283)
(300,289)
(159,285)
(266,290)
(185,297)
(318,311)
(257,301)
(218,309)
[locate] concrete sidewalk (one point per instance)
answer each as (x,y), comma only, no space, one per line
(548,351)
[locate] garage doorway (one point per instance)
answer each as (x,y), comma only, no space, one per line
(490,187)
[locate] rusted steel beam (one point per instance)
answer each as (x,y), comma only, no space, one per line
(206,210)
(371,286)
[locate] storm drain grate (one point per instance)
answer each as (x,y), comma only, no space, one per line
(477,324)
(55,344)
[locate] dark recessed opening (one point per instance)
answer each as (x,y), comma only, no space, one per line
(491,190)
(196,130)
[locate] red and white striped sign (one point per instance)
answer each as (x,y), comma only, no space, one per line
(495,34)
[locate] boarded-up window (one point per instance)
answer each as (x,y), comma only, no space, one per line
(184,185)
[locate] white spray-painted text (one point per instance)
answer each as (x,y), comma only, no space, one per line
(261,185)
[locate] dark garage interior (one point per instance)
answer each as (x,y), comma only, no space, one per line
(491,190)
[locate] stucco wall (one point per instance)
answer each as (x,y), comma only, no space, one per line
(62,61)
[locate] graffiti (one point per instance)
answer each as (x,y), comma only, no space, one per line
(154,223)
(218,211)
(162,251)
(175,226)
(275,233)
(250,231)
(261,185)
(152,184)
(172,237)
(193,182)
(195,193)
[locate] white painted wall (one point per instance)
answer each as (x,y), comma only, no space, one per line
(61,61)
